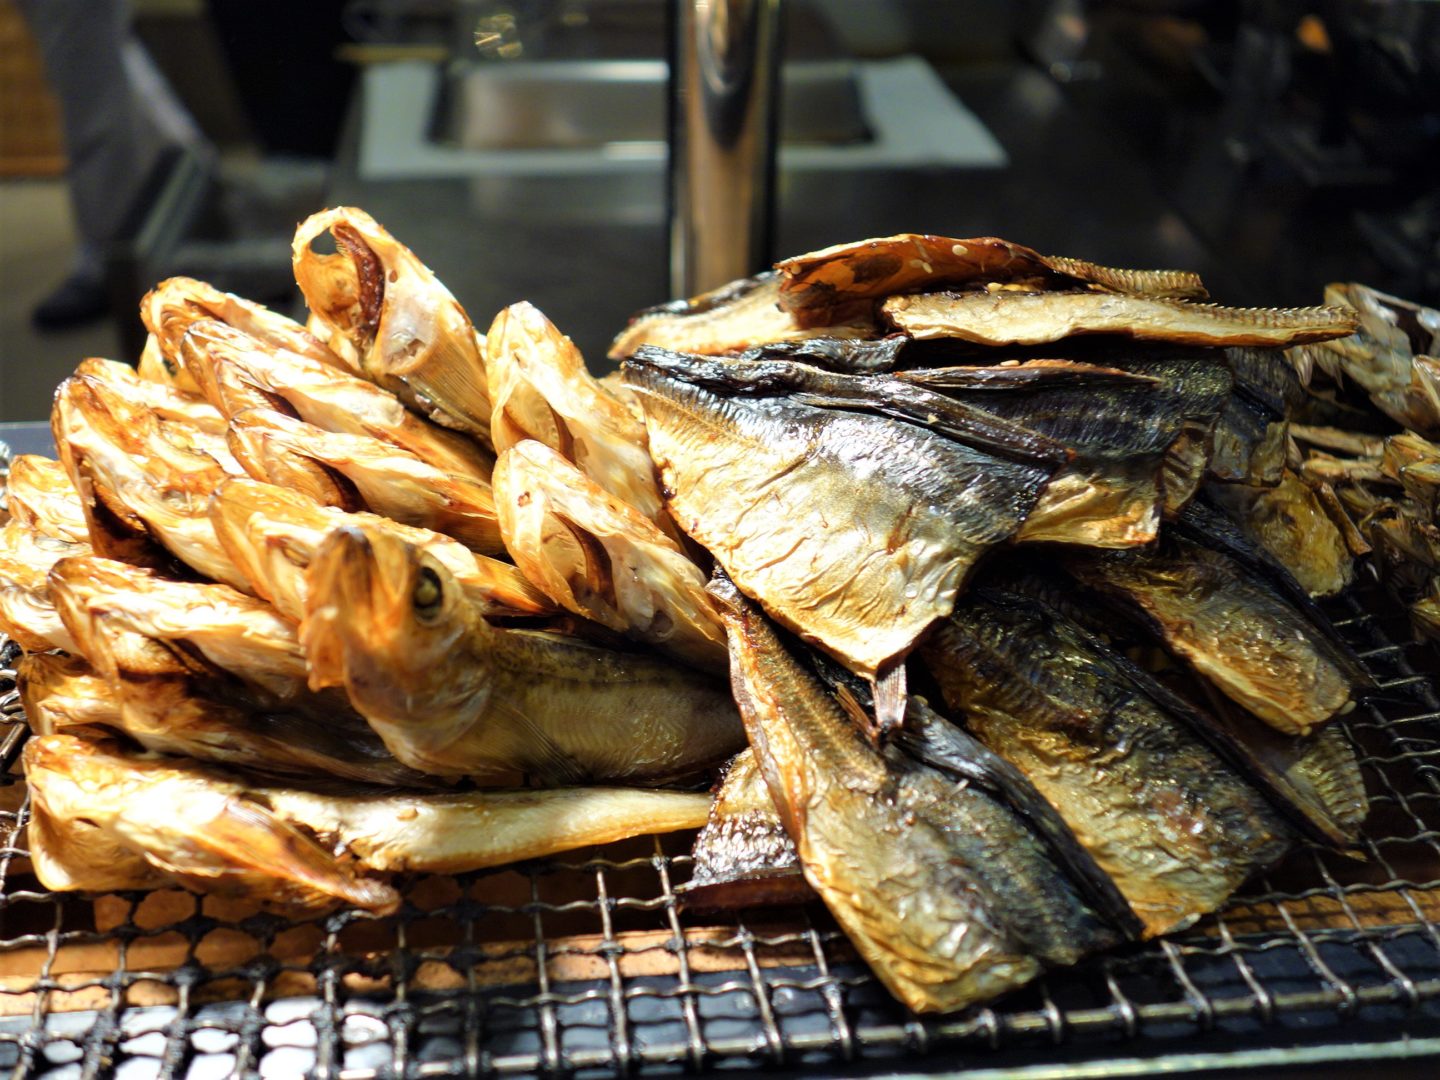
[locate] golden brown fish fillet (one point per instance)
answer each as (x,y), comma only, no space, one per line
(41,497)
(1035,318)
(941,888)
(27,613)
(1292,524)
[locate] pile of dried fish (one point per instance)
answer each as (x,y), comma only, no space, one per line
(1011,559)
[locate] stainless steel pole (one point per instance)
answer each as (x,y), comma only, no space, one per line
(724,109)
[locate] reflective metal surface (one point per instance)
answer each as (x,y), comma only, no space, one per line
(724,109)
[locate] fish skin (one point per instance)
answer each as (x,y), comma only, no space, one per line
(1128,435)
(1248,446)
(1034,318)
(451,695)
(768,487)
(1174,826)
(375,303)
(1230,627)
(186,824)
(940,888)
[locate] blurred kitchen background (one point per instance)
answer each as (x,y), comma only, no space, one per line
(1272,146)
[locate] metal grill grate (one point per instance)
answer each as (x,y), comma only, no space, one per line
(589,966)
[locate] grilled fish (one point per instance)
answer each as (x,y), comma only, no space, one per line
(165,819)
(743,857)
(172,307)
(943,889)
(1138,421)
(27,613)
(171,703)
(236,372)
(272,534)
(599,557)
(388,480)
(1231,628)
(143,481)
(226,628)
(1175,828)
(1291,522)
(542,391)
(1035,318)
(738,316)
(382,306)
(824,286)
(452,695)
(854,530)
(41,497)
(1393,355)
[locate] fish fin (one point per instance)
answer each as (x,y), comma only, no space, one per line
(890,694)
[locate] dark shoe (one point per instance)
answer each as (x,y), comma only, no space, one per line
(78,301)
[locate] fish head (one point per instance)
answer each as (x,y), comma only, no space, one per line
(390,623)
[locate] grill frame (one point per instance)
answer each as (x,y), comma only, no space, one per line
(1323,960)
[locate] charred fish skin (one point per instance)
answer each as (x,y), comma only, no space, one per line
(452,695)
(743,857)
(770,488)
(1231,627)
(1171,823)
(941,889)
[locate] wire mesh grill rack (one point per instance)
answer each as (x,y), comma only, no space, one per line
(588,966)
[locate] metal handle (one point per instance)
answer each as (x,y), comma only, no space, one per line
(724,91)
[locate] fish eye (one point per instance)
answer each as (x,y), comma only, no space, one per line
(427,594)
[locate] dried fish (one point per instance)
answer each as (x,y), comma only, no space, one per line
(383,306)
(387,480)
(542,391)
(238,372)
(64,694)
(599,557)
(453,696)
(1035,318)
(1231,627)
(738,316)
(941,887)
(1175,827)
(172,307)
(856,531)
(825,286)
(1292,524)
(165,819)
(27,614)
(41,497)
(143,480)
(272,534)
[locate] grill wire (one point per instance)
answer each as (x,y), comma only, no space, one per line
(589,966)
